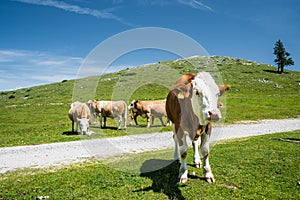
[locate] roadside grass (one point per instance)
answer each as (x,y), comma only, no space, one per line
(263,167)
(39,114)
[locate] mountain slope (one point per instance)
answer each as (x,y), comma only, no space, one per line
(39,114)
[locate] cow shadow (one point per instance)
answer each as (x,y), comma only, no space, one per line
(163,180)
(107,127)
(70,133)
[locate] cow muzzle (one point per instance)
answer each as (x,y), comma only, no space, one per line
(214,115)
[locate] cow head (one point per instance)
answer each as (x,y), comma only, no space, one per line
(205,97)
(133,105)
(84,125)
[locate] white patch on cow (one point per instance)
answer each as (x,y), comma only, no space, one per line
(205,97)
(131,106)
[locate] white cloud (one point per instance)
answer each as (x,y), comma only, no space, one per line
(191,3)
(195,4)
(23,68)
(105,14)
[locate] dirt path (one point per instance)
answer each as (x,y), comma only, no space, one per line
(45,155)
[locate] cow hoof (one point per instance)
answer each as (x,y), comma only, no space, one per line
(210,180)
(177,161)
(183,180)
(198,165)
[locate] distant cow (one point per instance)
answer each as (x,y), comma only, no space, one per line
(112,109)
(223,88)
(79,113)
(191,106)
(155,108)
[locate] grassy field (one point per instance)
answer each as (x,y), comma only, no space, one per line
(264,167)
(39,114)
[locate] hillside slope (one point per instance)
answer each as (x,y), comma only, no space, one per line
(39,114)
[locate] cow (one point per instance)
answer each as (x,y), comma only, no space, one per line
(191,106)
(112,109)
(155,108)
(223,88)
(79,113)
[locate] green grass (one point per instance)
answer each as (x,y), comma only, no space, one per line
(263,167)
(39,114)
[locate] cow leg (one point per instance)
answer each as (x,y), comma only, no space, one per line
(183,149)
(148,120)
(197,159)
(162,122)
(176,151)
(72,126)
(100,119)
(77,127)
(152,120)
(124,117)
(104,125)
(205,153)
(131,118)
(119,122)
(135,120)
(95,118)
(169,123)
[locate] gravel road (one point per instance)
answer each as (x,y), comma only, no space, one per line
(45,155)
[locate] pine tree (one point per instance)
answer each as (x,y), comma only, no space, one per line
(282,57)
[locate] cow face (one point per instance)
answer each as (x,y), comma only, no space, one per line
(84,125)
(204,98)
(132,106)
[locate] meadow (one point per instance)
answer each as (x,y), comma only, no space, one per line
(263,167)
(38,114)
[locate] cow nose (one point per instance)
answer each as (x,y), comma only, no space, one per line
(214,115)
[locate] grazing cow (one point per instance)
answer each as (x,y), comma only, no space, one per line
(112,109)
(155,108)
(191,106)
(80,114)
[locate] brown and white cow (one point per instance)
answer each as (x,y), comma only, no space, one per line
(223,88)
(111,109)
(79,113)
(155,108)
(192,106)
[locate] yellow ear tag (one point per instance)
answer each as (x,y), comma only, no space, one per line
(180,95)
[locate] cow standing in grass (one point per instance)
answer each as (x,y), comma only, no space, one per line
(79,113)
(155,108)
(111,109)
(191,106)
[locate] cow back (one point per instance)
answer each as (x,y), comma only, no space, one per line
(78,111)
(111,108)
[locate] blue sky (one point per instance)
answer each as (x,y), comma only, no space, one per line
(45,41)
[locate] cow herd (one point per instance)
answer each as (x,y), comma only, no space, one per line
(191,105)
(82,113)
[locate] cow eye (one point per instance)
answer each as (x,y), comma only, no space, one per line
(197,93)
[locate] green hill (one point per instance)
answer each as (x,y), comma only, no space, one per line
(39,114)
